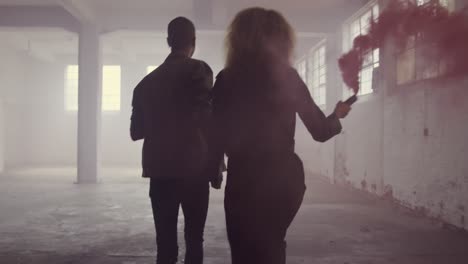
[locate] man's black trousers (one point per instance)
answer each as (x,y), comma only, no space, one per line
(166,198)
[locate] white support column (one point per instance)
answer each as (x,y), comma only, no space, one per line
(2,134)
(89,104)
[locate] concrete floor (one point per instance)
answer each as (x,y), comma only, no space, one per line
(45,218)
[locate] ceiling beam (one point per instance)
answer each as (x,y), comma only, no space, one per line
(37,17)
(79,10)
(202,32)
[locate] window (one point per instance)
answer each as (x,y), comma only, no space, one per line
(449,4)
(151,68)
(111,85)
(317,75)
(413,64)
(302,70)
(111,78)
(360,25)
(71,88)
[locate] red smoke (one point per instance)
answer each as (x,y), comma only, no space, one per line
(448,32)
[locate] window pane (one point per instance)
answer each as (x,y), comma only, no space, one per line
(111,82)
(376,55)
(322,80)
(310,72)
(366,88)
(323,71)
(321,60)
(430,69)
(365,80)
(310,65)
(422,2)
(367,59)
(449,4)
(375,11)
(71,88)
(316,61)
(301,69)
(111,85)
(355,31)
(315,94)
(323,95)
(316,79)
(365,22)
(316,73)
(346,39)
(322,56)
(366,74)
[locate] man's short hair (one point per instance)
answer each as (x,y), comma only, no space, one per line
(180,33)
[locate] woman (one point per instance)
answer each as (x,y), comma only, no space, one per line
(255,101)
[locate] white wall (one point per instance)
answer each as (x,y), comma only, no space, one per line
(50,137)
(45,134)
(409,143)
(38,130)
(319,158)
(359,155)
(13,70)
(429,173)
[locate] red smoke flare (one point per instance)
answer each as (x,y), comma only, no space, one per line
(447,32)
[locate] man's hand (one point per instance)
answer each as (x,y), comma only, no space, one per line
(216,184)
(217,181)
(342,109)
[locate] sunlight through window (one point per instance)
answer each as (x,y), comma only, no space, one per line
(151,68)
(111,86)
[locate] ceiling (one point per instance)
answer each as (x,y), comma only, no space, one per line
(136,28)
(101,5)
(27,2)
(139,47)
(306,15)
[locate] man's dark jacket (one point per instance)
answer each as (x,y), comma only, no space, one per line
(171,109)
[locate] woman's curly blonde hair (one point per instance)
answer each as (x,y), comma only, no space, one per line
(257,33)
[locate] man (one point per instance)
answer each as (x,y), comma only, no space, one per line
(171,110)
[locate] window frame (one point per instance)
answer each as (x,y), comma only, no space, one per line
(70,98)
(317,70)
(370,11)
(449,4)
(414,50)
(301,67)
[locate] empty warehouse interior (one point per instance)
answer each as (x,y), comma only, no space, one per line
(392,187)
